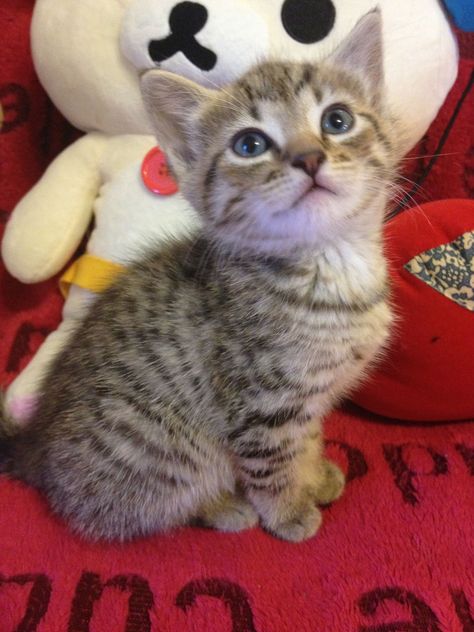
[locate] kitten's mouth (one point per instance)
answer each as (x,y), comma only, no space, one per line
(315,186)
(315,189)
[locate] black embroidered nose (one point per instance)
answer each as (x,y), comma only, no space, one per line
(308,21)
(186,19)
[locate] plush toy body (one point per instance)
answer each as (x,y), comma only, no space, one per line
(88,55)
(99,175)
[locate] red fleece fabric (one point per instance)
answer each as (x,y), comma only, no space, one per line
(395,554)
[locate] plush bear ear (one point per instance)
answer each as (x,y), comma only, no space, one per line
(361,52)
(173,104)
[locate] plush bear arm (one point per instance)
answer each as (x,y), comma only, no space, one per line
(48,224)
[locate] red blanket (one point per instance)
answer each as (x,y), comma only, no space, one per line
(394,555)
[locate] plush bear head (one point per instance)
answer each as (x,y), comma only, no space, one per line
(88,54)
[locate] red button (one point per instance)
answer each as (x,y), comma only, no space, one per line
(156,175)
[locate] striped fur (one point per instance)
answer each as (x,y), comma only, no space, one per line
(194,389)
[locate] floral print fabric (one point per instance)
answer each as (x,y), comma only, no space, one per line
(449,269)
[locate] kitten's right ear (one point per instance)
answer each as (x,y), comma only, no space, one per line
(172,103)
(361,52)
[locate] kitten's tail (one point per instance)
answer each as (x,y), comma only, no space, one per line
(8,432)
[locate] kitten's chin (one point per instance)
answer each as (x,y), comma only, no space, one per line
(302,222)
(316,206)
(319,218)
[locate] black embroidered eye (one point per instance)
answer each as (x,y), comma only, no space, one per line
(337,120)
(250,144)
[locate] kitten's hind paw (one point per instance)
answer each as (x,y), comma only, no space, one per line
(332,486)
(229,513)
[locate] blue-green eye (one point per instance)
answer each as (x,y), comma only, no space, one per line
(250,144)
(337,120)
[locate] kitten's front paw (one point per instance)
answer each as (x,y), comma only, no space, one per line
(333,483)
(302,525)
(230,513)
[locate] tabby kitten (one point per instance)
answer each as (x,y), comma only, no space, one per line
(194,389)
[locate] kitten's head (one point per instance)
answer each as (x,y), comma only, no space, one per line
(289,157)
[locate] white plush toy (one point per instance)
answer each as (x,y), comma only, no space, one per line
(88,55)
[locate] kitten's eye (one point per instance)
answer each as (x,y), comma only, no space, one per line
(337,120)
(250,144)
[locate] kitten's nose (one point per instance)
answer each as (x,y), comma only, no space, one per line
(309,161)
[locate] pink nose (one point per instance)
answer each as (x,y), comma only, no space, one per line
(309,161)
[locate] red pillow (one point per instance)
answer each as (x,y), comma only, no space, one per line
(428,372)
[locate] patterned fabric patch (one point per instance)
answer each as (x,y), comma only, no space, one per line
(449,269)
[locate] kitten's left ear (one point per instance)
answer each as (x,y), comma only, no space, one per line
(361,52)
(172,103)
